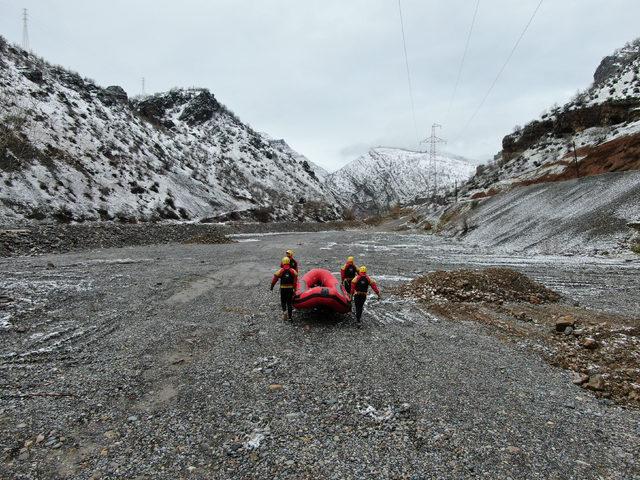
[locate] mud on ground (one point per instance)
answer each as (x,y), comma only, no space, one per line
(602,349)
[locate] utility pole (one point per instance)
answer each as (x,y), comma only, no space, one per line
(25,30)
(575,159)
(143,87)
(433,141)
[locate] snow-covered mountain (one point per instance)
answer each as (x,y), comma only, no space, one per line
(603,121)
(384,177)
(73,151)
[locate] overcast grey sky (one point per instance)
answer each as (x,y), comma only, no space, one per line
(329,75)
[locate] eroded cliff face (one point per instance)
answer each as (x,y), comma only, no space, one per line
(597,132)
(570,122)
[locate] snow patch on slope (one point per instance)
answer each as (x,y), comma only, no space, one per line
(71,150)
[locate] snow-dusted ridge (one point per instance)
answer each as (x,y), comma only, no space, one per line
(73,151)
(603,121)
(387,176)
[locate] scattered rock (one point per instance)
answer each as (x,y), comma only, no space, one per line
(580,378)
(275,387)
(563,322)
(513,450)
(40,438)
(132,418)
(596,382)
(568,331)
(589,343)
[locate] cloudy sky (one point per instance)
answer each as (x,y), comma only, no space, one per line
(329,75)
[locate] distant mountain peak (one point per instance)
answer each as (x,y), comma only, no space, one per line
(386,176)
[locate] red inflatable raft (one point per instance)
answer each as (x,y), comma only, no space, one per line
(320,289)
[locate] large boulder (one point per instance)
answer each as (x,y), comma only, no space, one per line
(200,108)
(34,75)
(113,95)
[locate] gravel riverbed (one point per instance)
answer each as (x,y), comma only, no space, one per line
(172,361)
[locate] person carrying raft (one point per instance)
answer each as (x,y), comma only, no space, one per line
(292,261)
(359,289)
(288,278)
(347,273)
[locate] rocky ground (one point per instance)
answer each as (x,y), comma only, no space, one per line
(56,238)
(170,361)
(601,349)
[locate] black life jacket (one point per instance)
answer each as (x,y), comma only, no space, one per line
(362,284)
(287,277)
(293,264)
(350,271)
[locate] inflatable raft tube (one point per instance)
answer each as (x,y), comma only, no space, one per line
(320,289)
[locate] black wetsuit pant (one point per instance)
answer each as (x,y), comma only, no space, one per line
(347,284)
(359,301)
(286,299)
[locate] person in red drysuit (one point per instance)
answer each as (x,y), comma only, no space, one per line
(347,273)
(292,261)
(288,278)
(359,289)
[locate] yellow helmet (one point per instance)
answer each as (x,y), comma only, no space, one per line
(286,261)
(289,253)
(349,259)
(363,269)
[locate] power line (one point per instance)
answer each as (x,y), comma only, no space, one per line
(502,69)
(464,56)
(25,29)
(406,61)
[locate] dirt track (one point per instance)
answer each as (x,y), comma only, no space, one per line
(171,362)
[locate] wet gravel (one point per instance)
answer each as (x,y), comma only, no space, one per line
(38,239)
(172,361)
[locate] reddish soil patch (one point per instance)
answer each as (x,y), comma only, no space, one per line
(619,155)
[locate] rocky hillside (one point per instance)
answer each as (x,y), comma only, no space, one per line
(603,122)
(73,151)
(384,177)
(585,215)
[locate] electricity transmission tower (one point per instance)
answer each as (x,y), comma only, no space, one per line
(433,142)
(143,87)
(25,29)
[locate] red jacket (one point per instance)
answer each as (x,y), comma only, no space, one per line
(370,283)
(278,276)
(343,274)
